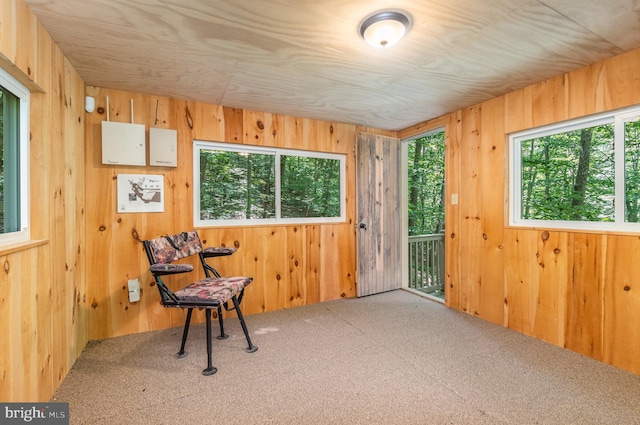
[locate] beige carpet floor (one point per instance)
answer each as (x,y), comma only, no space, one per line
(392,358)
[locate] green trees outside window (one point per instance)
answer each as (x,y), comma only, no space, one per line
(569,175)
(310,186)
(248,184)
(11,183)
(3,107)
(632,171)
(14,160)
(236,185)
(426,184)
(585,171)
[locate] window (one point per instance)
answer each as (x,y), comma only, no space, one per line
(14,133)
(236,184)
(583,174)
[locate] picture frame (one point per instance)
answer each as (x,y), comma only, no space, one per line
(140,193)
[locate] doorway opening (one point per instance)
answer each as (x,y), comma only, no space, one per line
(425,194)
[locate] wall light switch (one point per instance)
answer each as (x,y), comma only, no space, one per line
(454,199)
(134,290)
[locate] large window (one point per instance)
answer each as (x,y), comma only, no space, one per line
(236,184)
(14,154)
(583,174)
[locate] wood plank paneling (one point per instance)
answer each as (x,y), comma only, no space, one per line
(43,284)
(491,173)
(275,282)
(27,52)
(297,291)
(550,289)
(548,101)
(620,80)
(254,256)
(583,321)
(572,289)
(293,131)
(421,128)
(73,190)
(581,104)
(19,282)
(452,212)
(233,125)
(621,325)
(208,123)
(331,251)
(470,212)
(520,277)
(10,30)
(43,325)
(313,272)
(55,198)
(288,270)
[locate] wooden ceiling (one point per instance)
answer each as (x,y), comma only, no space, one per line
(305,57)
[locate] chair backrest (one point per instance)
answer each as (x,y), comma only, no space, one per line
(162,251)
(174,247)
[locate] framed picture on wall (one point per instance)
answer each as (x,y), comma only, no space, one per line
(140,193)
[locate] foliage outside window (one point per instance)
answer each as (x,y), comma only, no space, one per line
(236,184)
(571,175)
(426,184)
(14,130)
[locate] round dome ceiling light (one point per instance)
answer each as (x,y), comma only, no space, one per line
(385,27)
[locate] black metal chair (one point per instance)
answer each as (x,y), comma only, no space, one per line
(212,292)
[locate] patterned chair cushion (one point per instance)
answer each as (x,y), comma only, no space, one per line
(168,268)
(218,251)
(219,289)
(174,247)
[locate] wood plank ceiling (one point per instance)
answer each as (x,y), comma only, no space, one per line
(305,58)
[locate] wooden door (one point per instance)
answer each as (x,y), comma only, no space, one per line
(379,222)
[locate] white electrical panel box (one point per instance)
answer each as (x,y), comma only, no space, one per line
(163,147)
(123,143)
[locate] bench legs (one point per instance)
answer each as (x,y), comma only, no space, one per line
(221,322)
(210,370)
(185,332)
(252,348)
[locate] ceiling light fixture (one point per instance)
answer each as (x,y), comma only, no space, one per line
(385,27)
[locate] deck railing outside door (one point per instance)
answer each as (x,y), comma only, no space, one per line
(426,263)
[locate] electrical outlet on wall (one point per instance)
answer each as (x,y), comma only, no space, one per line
(134,290)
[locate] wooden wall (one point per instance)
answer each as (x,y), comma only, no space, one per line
(291,265)
(43,315)
(576,290)
(579,290)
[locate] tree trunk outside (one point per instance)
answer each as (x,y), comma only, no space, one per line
(413,195)
(582,175)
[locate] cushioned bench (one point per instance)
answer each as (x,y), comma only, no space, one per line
(211,292)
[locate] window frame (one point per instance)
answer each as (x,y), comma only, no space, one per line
(23,94)
(199,145)
(617,118)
